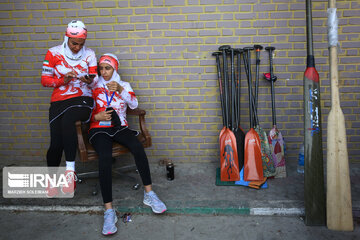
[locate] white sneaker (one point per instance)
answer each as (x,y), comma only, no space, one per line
(153,201)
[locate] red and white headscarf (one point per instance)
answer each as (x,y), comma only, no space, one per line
(75,29)
(113,61)
(110,59)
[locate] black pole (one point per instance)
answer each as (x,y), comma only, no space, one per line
(238,54)
(217,55)
(233,109)
(224,49)
(252,108)
(258,48)
(247,60)
(309,35)
(272,80)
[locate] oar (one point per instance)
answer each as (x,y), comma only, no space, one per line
(267,161)
(313,152)
(338,194)
(252,161)
(228,150)
(239,132)
(275,137)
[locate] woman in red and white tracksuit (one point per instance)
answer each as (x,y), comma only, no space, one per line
(108,124)
(69,69)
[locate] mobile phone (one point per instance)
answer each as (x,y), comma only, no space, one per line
(89,76)
(108,109)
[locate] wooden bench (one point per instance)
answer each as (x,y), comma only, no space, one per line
(88,153)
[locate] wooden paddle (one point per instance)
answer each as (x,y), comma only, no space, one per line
(253,170)
(315,204)
(338,194)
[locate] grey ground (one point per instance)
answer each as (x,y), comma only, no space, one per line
(48,225)
(198,209)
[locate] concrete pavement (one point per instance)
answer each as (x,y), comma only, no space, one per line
(197,209)
(55,225)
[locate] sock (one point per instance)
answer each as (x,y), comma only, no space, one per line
(70,165)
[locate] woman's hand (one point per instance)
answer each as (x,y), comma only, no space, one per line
(103,116)
(87,78)
(114,86)
(68,76)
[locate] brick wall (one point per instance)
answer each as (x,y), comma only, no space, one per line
(165,47)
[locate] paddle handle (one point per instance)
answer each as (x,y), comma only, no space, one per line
(309,35)
(250,88)
(233,109)
(216,54)
(246,58)
(334,76)
(238,88)
(333,57)
(225,70)
(224,49)
(258,48)
(272,86)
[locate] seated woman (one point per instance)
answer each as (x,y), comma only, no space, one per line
(108,124)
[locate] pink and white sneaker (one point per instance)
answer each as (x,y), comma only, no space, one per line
(71,179)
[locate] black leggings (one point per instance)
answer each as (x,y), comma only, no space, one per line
(63,135)
(102,143)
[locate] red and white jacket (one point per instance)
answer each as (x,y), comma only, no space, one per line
(55,67)
(119,103)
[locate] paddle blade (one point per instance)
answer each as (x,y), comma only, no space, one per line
(222,131)
(240,145)
(266,156)
(314,187)
(338,194)
(277,144)
(229,165)
(253,170)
